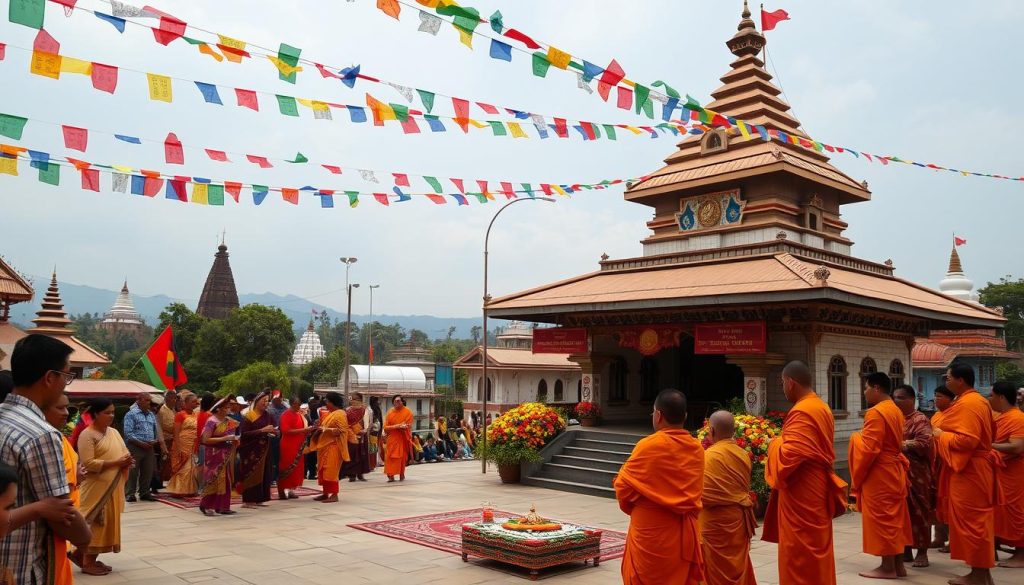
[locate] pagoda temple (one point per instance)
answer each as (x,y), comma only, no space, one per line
(122,317)
(746,267)
(14,288)
(219,296)
(309,347)
(53,321)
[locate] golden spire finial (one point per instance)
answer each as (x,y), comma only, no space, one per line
(954,262)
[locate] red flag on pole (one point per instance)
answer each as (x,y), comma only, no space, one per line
(770,19)
(958,241)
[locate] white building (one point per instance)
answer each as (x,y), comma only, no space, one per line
(309,347)
(385,382)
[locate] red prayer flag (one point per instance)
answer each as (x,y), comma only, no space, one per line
(409,126)
(507,190)
(104,77)
(588,129)
(625,101)
(611,77)
(177,185)
(514,34)
(958,241)
(487,108)
(170,29)
(325,73)
(91,179)
(151,186)
(382,199)
(259,160)
(458,185)
(174,154)
(336,170)
(234,189)
(217,155)
(439,199)
(401,180)
(546,188)
(561,128)
(461,113)
(75,138)
(247,99)
(770,19)
(290,195)
(483,189)
(234,51)
(45,43)
(3,51)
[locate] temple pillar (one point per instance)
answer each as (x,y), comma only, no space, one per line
(756,369)
(590,376)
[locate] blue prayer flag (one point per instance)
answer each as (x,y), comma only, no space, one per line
(209,92)
(357,114)
(138,185)
(117,22)
(500,50)
(435,124)
(128,139)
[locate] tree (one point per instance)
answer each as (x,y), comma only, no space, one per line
(1010,372)
(256,376)
(324,370)
(185,324)
(418,338)
(451,332)
(213,357)
(260,333)
(475,331)
(1009,295)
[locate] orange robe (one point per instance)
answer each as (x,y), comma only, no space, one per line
(965,448)
(331,450)
(62,569)
(939,476)
(1010,516)
(660,487)
(878,472)
(727,521)
(399,441)
(807,494)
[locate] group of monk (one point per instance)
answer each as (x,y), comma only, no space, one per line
(691,514)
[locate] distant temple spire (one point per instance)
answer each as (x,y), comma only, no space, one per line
(51,318)
(123,312)
(309,347)
(219,296)
(956,284)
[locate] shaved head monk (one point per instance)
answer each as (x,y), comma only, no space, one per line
(878,470)
(659,487)
(727,521)
(963,441)
(807,494)
(1009,444)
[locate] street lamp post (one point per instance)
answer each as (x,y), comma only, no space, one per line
(487,299)
(369,339)
(348,262)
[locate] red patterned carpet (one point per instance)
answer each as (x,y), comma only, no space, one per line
(236,500)
(444,531)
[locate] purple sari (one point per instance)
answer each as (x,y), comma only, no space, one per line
(254,472)
(218,466)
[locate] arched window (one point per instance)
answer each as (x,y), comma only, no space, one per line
(837,383)
(713,141)
(479,388)
(648,379)
(559,391)
(542,391)
(867,367)
(617,374)
(896,373)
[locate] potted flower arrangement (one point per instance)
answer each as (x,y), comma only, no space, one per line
(517,436)
(753,433)
(587,413)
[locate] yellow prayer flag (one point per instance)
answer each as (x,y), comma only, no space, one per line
(516,129)
(8,166)
(208,50)
(634,129)
(559,190)
(465,37)
(283,67)
(122,169)
(200,192)
(432,3)
(743,129)
(234,44)
(478,123)
(72,65)
(45,64)
(314,105)
(558,58)
(159,87)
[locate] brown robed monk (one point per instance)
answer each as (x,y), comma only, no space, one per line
(727,521)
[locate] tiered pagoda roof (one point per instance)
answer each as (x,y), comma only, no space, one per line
(219,296)
(53,321)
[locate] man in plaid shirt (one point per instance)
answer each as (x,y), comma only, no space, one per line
(40,373)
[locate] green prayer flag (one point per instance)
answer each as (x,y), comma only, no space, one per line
(215,194)
(27,12)
(192,41)
(498,128)
(427,97)
(287,105)
(289,55)
(528,189)
(12,126)
(479,197)
(401,112)
(496,23)
(692,104)
(540,64)
(49,173)
(353,198)
(465,17)
(668,90)
(434,184)
(299,158)
(648,107)
(597,130)
(609,131)
(642,93)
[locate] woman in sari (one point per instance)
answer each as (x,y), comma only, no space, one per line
(358,448)
(183,471)
(295,433)
(254,472)
(331,444)
(467,432)
(57,416)
(374,443)
(106,458)
(218,445)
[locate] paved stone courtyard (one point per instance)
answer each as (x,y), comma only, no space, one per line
(302,542)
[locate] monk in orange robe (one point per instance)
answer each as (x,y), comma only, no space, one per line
(331,445)
(878,470)
(1009,444)
(944,398)
(964,443)
(727,521)
(398,446)
(660,488)
(807,493)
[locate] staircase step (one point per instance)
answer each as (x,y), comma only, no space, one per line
(570,486)
(602,454)
(614,446)
(609,436)
(578,474)
(588,462)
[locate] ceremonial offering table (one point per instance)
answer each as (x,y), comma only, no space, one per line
(531,550)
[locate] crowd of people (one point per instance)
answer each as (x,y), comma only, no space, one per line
(954,482)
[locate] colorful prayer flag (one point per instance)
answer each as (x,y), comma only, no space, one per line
(159,87)
(75,138)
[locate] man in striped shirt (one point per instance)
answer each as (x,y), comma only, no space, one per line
(40,373)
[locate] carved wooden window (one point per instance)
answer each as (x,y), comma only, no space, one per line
(837,375)
(867,367)
(896,373)
(714,141)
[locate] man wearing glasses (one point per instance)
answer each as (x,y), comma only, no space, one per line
(39,371)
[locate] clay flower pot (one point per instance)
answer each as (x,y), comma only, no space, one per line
(510,473)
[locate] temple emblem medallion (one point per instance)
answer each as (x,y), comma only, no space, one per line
(711,210)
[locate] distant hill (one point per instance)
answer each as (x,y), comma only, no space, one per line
(86,299)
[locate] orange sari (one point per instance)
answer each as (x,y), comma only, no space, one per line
(727,521)
(331,450)
(398,445)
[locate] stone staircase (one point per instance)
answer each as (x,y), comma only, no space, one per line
(582,461)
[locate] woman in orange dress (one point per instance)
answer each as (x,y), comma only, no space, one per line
(183,470)
(295,430)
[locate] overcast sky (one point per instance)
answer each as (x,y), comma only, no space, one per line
(924,80)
